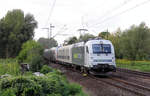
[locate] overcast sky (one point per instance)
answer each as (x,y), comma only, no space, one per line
(69,15)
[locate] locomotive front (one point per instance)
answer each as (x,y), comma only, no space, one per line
(100,56)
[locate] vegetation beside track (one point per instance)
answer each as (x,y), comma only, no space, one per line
(9,66)
(143,66)
(51,83)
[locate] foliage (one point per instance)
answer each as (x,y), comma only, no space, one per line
(82,38)
(134,65)
(9,66)
(46,69)
(137,40)
(8,92)
(133,43)
(22,86)
(104,34)
(116,39)
(36,62)
(32,53)
(71,40)
(86,37)
(15,29)
(48,43)
(49,85)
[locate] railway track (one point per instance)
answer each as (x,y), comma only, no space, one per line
(125,85)
(147,74)
(128,86)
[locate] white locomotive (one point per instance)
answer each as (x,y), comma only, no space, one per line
(95,56)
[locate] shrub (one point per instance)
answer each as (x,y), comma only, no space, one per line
(9,66)
(36,63)
(32,53)
(23,86)
(8,92)
(51,84)
(45,69)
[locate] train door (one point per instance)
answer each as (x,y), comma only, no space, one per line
(86,56)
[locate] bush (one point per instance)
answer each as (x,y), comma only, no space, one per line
(22,86)
(8,92)
(9,66)
(32,53)
(51,84)
(46,69)
(36,63)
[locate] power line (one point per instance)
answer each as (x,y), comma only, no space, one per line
(137,5)
(114,9)
(51,11)
(58,33)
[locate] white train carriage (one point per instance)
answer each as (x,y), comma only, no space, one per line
(64,54)
(51,54)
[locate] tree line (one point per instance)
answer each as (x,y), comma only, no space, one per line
(15,29)
(132,43)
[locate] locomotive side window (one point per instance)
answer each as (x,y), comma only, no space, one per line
(87,50)
(101,48)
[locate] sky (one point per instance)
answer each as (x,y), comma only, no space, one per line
(70,15)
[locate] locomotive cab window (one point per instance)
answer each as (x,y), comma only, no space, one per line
(101,48)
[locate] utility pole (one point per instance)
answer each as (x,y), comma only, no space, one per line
(49,30)
(80,30)
(51,27)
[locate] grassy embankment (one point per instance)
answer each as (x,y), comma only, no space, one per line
(9,66)
(134,65)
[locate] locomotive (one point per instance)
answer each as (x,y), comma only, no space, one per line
(93,56)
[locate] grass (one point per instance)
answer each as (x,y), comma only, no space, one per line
(143,66)
(9,66)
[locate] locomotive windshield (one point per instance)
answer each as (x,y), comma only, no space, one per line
(101,48)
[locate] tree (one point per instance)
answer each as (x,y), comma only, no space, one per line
(136,42)
(32,53)
(15,29)
(104,34)
(48,43)
(71,40)
(86,37)
(116,38)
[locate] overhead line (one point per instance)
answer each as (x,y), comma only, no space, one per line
(51,11)
(137,5)
(114,9)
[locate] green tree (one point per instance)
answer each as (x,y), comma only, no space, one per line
(104,34)
(71,40)
(32,53)
(136,42)
(15,29)
(86,37)
(115,38)
(48,43)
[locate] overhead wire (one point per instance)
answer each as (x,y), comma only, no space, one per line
(120,13)
(114,9)
(51,11)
